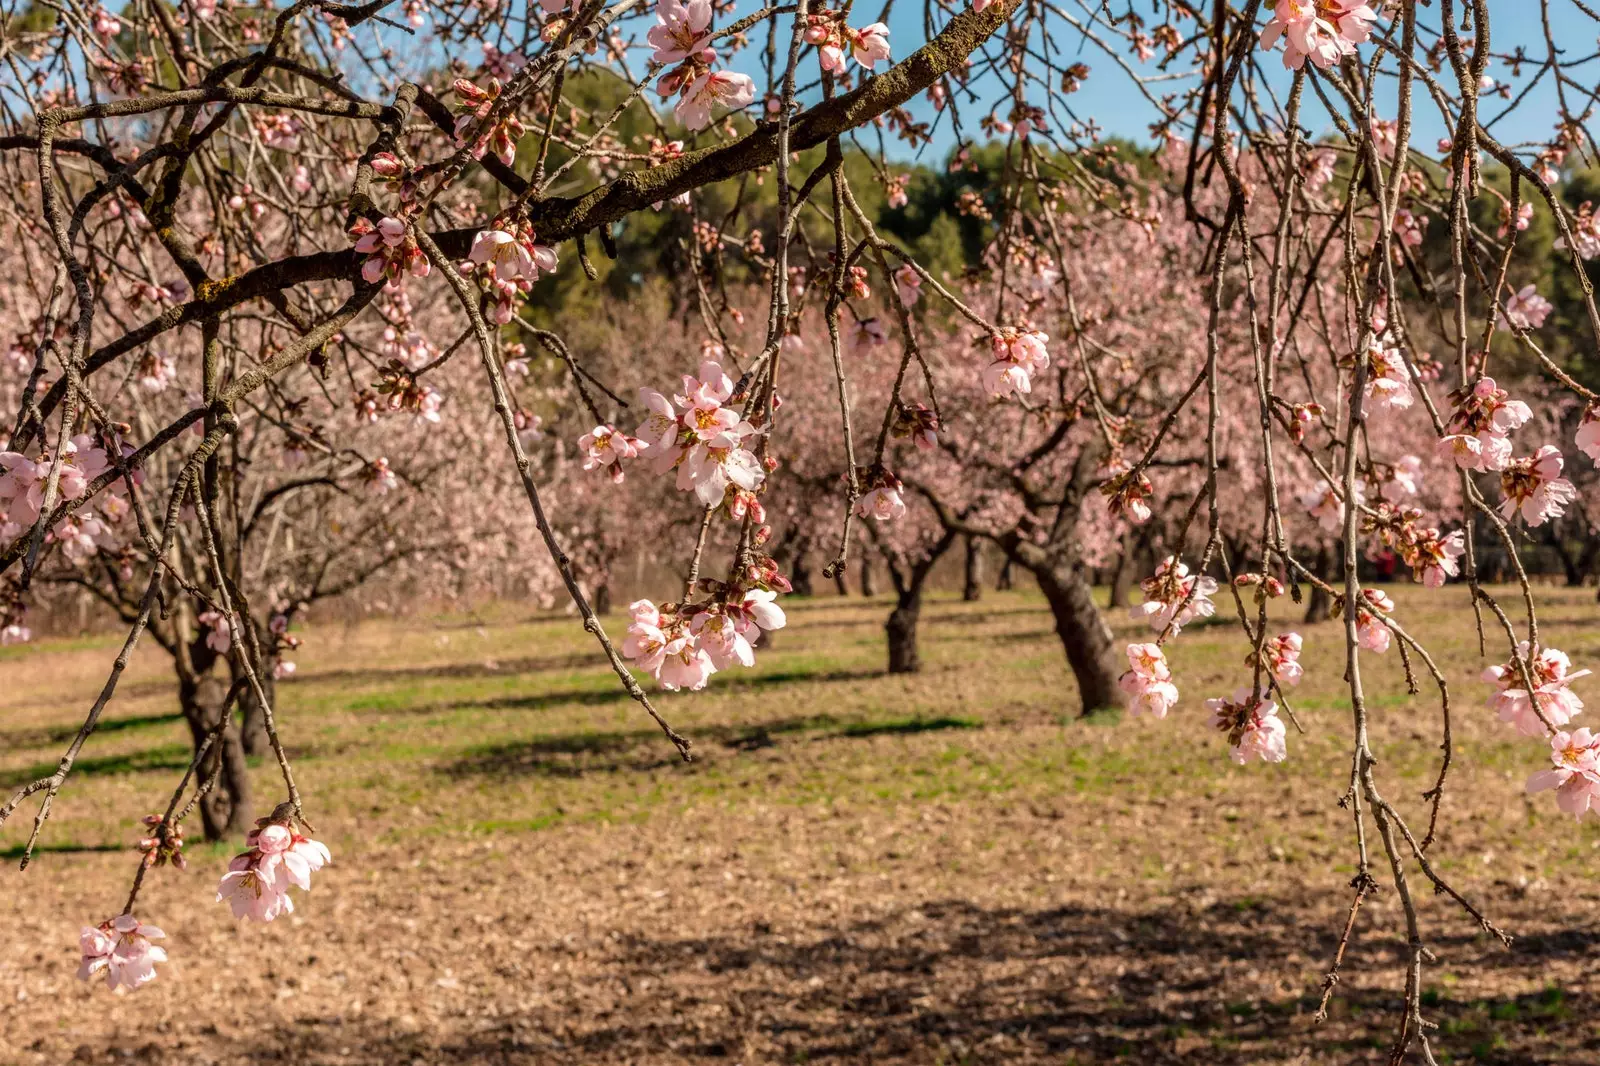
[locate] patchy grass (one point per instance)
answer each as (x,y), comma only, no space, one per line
(857,867)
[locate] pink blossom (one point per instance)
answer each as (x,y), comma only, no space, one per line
(685,664)
(1019,352)
(1283,659)
(681,31)
(1373,608)
(1588,438)
(1388,381)
(710,467)
(1551,672)
(121,949)
(1253,727)
(869,44)
(1165,594)
(883,503)
(1525,309)
(258,880)
(503,251)
(220,639)
(1148,681)
(1405,479)
(605,446)
(1534,487)
(390,249)
(1576,776)
(1321,30)
(723,88)
(1324,505)
(908,285)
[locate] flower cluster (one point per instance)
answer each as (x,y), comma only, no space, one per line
(1525,309)
(258,880)
(473,107)
(1281,655)
(1534,487)
(1373,608)
(834,39)
(120,948)
(1478,435)
(701,438)
(1432,555)
(1551,672)
(1388,384)
(164,845)
(1148,681)
(1019,352)
(682,645)
(1323,31)
(682,35)
(1576,776)
(1173,597)
(1252,726)
(506,261)
(606,447)
(391,251)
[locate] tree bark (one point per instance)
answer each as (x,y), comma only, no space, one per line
(800,570)
(1083,632)
(602,598)
(840,584)
(972,587)
(253,723)
(901,629)
(1121,573)
(1003,581)
(225,810)
(869,583)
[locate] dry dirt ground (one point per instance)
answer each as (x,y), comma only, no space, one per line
(859,868)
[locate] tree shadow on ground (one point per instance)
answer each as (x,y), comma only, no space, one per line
(34,738)
(613,751)
(166,757)
(950,981)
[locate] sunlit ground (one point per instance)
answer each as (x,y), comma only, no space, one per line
(857,867)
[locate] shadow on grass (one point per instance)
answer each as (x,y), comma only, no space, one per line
(16,850)
(950,981)
(33,738)
(166,757)
(577,754)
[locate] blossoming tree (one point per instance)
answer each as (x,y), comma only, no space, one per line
(231,196)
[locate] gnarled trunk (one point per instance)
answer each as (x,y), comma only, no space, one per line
(225,810)
(1084,634)
(1003,582)
(972,586)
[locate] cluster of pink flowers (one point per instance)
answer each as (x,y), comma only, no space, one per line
(1281,655)
(919,422)
(220,636)
(1019,353)
(23,482)
(120,948)
(701,438)
(1148,681)
(1576,773)
(681,646)
(1128,494)
(1478,435)
(682,35)
(867,46)
(1323,31)
(391,251)
(157,371)
(1551,672)
(258,880)
(1172,596)
(1432,555)
(506,262)
(474,106)
(1388,383)
(1373,608)
(1534,487)
(1252,725)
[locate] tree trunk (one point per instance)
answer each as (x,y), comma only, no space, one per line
(602,598)
(839,582)
(800,571)
(1084,634)
(869,584)
(225,810)
(1002,582)
(972,587)
(1320,607)
(901,629)
(253,724)
(1121,573)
